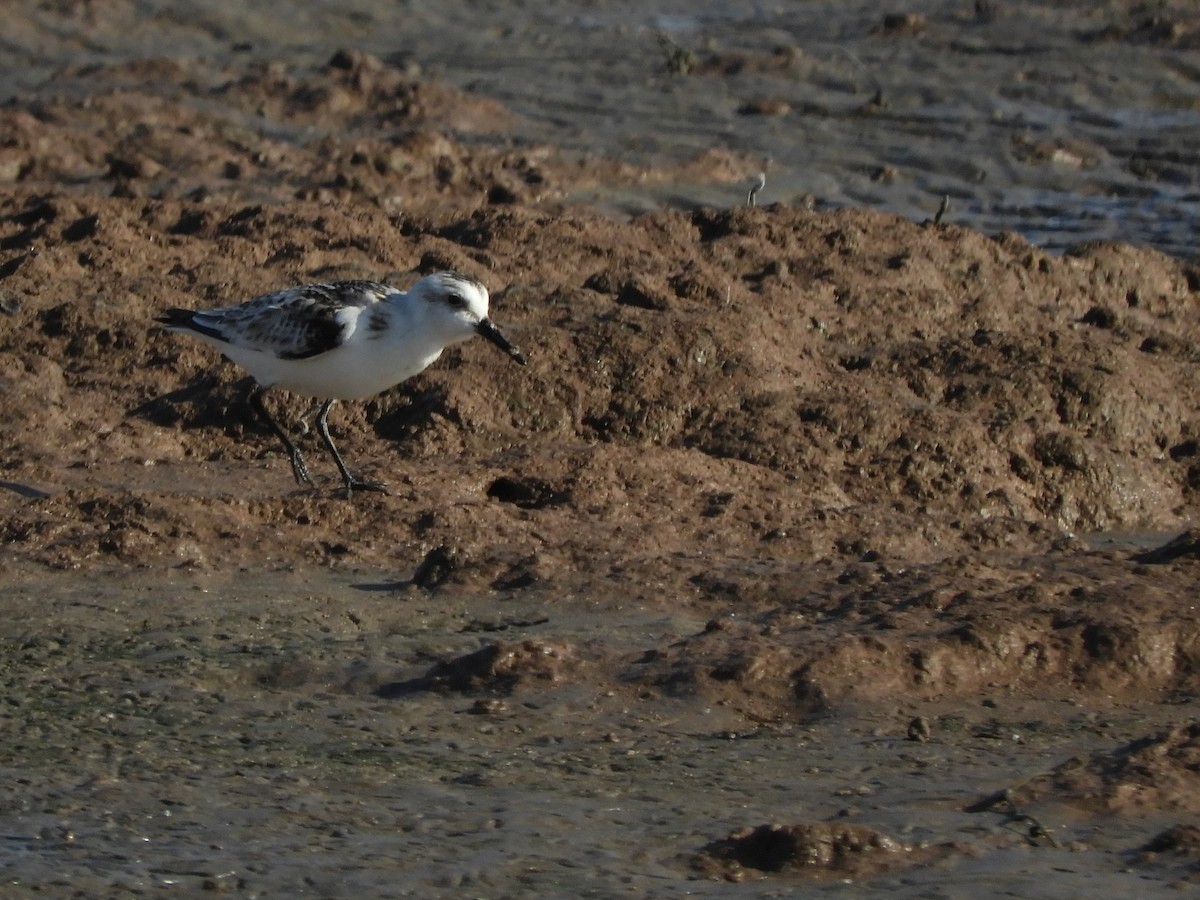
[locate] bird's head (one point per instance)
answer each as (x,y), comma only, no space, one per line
(460,305)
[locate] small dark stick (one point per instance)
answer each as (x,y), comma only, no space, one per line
(943,208)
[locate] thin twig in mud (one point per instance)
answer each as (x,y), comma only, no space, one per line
(943,208)
(759,183)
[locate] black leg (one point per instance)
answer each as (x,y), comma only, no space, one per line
(299,469)
(352,483)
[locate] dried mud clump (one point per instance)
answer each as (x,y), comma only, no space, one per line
(819,849)
(1178,846)
(355,129)
(1156,773)
(951,628)
(495,668)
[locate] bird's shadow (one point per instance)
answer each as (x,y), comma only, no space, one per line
(412,408)
(209,401)
(383,586)
(206,401)
(24,490)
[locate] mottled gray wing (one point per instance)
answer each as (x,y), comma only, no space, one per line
(295,323)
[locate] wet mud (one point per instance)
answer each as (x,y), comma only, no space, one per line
(813,546)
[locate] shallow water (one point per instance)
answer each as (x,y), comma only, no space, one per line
(235,740)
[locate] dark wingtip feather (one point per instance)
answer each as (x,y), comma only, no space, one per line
(180,318)
(175,319)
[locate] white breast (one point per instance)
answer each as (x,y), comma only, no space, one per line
(353,371)
(370,358)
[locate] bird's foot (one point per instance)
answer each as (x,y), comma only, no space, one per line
(357,484)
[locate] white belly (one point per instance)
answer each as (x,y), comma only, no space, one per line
(353,371)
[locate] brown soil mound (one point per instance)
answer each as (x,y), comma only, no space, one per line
(1158,772)
(803,382)
(714,399)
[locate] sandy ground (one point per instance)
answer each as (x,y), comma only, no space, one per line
(821,547)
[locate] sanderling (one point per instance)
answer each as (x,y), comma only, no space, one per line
(345,340)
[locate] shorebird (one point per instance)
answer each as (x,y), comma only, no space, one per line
(345,340)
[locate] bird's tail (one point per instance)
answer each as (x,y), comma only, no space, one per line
(175,318)
(185,320)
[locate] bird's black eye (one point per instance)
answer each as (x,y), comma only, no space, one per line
(457,301)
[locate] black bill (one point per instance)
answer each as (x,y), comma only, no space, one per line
(492,333)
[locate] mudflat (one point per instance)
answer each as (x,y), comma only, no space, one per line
(816,545)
